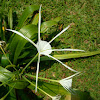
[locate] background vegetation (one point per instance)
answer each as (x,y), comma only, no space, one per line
(84,34)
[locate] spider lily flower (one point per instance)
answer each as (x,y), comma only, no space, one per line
(67,82)
(57,97)
(44,47)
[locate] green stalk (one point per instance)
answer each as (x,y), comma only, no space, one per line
(7,57)
(29,63)
(43,78)
(7,81)
(5,54)
(37,87)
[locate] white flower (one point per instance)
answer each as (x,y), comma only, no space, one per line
(44,47)
(67,82)
(57,97)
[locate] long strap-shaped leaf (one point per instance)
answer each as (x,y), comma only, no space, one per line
(27,12)
(20,34)
(70,56)
(10,18)
(18,43)
(14,40)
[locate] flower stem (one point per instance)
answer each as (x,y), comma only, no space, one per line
(5,55)
(8,80)
(37,87)
(43,78)
(29,63)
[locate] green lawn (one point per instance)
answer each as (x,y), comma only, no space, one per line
(83,34)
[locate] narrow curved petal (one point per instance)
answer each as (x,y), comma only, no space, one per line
(58,35)
(39,24)
(67,50)
(20,34)
(37,72)
(61,63)
(71,76)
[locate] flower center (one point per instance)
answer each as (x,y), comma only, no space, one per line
(44,47)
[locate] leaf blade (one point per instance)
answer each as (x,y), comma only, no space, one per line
(28,11)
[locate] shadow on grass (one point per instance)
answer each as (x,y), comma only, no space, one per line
(80,95)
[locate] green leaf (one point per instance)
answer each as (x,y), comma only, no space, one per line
(4,60)
(28,31)
(70,56)
(49,24)
(35,19)
(5,75)
(10,18)
(80,95)
(27,12)
(57,19)
(18,43)
(67,56)
(54,89)
(20,84)
(24,54)
(51,88)
(8,78)
(12,94)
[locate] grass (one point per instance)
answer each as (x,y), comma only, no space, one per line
(84,34)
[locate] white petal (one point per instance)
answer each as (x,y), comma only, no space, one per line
(37,72)
(22,36)
(61,63)
(59,33)
(39,24)
(67,50)
(57,97)
(68,83)
(71,76)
